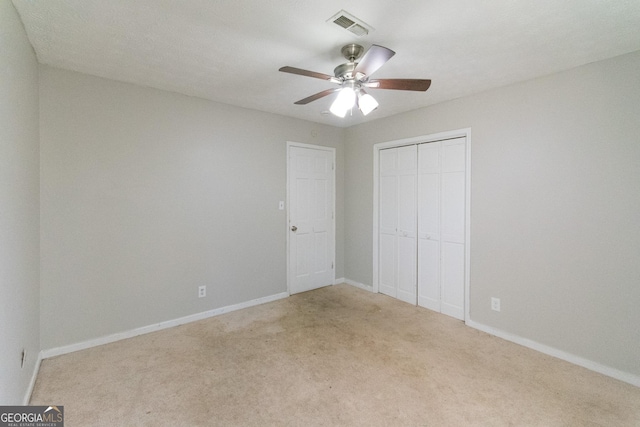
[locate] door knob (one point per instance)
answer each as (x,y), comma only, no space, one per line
(294,228)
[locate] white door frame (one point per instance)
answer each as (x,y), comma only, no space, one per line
(376,175)
(333,215)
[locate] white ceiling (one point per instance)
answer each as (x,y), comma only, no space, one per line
(230,51)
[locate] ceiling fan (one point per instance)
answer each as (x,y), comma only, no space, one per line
(353,77)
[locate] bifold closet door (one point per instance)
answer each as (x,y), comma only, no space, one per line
(429,225)
(398,223)
(441,226)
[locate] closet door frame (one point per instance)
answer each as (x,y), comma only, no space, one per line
(466,132)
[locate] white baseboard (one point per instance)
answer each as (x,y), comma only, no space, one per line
(338,281)
(551,351)
(57,351)
(32,383)
(357,284)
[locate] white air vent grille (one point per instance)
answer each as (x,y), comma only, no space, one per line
(343,21)
(359,30)
(349,22)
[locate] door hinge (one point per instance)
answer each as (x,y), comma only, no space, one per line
(332,166)
(332,265)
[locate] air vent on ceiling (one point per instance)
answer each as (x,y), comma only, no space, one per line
(349,22)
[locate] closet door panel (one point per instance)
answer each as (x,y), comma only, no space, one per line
(407,161)
(429,225)
(453,190)
(429,205)
(407,236)
(407,205)
(407,224)
(407,270)
(388,222)
(429,274)
(453,227)
(398,223)
(453,155)
(452,298)
(429,157)
(387,264)
(429,240)
(453,207)
(388,204)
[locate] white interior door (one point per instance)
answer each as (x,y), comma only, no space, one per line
(429,225)
(452,227)
(398,227)
(311,235)
(388,219)
(441,226)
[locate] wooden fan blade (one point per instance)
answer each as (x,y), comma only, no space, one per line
(318,95)
(373,59)
(307,73)
(399,84)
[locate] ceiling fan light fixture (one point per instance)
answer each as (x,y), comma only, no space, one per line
(344,101)
(366,102)
(353,77)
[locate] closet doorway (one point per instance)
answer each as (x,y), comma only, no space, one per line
(421,221)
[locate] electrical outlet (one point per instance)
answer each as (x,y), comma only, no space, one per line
(495,304)
(202,291)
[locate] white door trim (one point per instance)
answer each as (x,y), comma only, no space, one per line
(333,214)
(466,132)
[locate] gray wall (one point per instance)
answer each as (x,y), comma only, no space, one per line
(143,195)
(19,208)
(148,194)
(555,206)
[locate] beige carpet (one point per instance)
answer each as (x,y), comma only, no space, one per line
(337,356)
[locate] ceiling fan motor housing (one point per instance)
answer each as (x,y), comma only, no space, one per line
(345,71)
